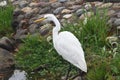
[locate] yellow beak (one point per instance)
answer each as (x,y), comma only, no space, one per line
(39,20)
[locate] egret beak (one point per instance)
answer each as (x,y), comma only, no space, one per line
(39,20)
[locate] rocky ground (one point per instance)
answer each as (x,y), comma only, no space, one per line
(26,11)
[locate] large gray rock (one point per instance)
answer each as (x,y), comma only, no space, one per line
(7,44)
(58,10)
(79,12)
(6,64)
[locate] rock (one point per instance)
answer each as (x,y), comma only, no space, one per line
(56,5)
(43,4)
(78,78)
(117,22)
(17,12)
(28,15)
(44,10)
(3,3)
(31,20)
(11,0)
(20,34)
(23,4)
(111,39)
(98,4)
(33,28)
(20,17)
(23,24)
(106,5)
(6,64)
(111,21)
(110,12)
(35,10)
(7,44)
(88,6)
(62,1)
(18,74)
(58,10)
(118,14)
(66,11)
(79,12)
(88,14)
(52,1)
(118,31)
(33,4)
(75,7)
(70,3)
(26,9)
(67,16)
(16,3)
(44,30)
(116,6)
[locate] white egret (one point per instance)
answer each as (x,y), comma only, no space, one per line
(66,44)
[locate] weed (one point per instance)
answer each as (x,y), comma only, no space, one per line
(5,20)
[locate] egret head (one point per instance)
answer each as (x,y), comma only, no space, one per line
(48,17)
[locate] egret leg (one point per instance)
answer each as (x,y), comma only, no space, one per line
(81,74)
(69,69)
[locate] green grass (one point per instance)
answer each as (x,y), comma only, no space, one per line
(36,52)
(5,20)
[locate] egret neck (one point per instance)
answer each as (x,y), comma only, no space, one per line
(57,28)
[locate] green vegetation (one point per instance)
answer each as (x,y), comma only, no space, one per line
(5,20)
(39,56)
(37,53)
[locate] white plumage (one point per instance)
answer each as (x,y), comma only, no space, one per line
(66,44)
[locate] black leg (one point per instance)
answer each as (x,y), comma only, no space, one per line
(69,69)
(81,74)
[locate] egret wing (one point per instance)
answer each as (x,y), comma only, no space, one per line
(69,47)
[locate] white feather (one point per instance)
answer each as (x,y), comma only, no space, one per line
(67,45)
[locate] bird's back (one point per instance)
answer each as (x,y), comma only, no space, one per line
(69,47)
